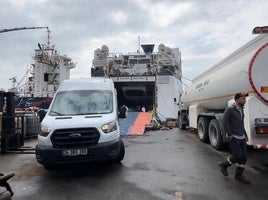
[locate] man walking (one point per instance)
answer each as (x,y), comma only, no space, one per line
(233,122)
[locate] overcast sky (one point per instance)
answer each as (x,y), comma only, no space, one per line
(206,31)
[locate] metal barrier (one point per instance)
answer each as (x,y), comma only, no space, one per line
(11,133)
(32,125)
(11,124)
(14,127)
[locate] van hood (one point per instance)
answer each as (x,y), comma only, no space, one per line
(81,121)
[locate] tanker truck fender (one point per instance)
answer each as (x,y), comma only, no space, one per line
(217,116)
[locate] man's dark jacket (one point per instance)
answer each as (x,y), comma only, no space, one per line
(233,122)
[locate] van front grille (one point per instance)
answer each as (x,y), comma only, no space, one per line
(77,137)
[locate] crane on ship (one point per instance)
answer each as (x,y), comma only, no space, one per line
(16,84)
(27,28)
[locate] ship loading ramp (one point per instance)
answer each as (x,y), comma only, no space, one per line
(137,93)
(135,123)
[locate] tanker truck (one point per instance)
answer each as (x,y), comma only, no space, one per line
(204,101)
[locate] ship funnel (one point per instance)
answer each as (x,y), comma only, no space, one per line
(148,48)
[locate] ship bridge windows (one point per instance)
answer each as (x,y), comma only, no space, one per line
(118,62)
(140,61)
(139,56)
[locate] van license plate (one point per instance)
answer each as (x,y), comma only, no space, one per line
(74,152)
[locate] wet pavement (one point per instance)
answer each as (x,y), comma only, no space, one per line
(160,165)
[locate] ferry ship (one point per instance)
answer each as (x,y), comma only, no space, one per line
(148,79)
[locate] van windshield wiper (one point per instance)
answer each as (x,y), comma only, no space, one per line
(86,113)
(57,113)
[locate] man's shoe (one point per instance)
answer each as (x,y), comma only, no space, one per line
(223,168)
(242,179)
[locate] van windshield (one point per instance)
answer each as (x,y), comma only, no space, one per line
(82,102)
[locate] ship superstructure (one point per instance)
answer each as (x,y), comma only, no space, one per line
(48,71)
(50,68)
(143,79)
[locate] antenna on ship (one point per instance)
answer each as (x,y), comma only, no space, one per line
(139,45)
(48,37)
(139,49)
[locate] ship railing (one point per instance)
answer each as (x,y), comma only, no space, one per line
(167,62)
(115,55)
(134,78)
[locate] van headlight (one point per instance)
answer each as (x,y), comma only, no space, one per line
(109,127)
(45,131)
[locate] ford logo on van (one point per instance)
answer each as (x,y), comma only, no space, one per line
(75,135)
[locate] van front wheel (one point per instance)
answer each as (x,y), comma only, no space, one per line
(121,154)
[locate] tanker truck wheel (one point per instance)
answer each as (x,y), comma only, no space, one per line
(215,137)
(202,129)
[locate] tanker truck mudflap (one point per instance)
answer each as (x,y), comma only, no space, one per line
(183,119)
(256,122)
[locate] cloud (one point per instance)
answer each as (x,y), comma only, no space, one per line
(119,17)
(205,31)
(164,14)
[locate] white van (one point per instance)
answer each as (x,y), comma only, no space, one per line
(81,124)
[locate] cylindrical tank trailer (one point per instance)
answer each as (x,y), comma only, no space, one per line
(204,102)
(246,70)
